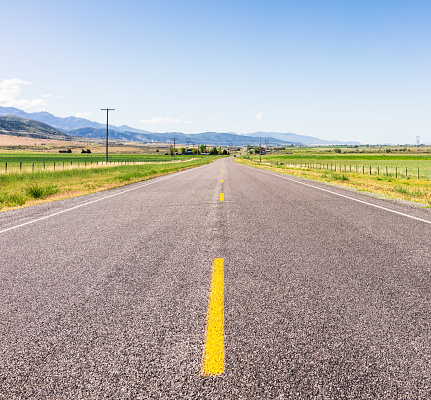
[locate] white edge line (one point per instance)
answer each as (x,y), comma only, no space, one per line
(343,195)
(154,180)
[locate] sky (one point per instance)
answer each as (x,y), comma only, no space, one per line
(337,70)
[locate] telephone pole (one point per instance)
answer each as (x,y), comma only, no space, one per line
(260,150)
(107,113)
(173,150)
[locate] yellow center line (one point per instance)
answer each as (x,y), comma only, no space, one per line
(222,180)
(213,356)
(221,196)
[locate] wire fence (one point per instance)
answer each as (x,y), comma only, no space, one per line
(388,171)
(50,166)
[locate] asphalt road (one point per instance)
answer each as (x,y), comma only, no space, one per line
(325,296)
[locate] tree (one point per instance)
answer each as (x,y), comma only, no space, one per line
(257,149)
(182,150)
(203,148)
(337,150)
(195,151)
(213,151)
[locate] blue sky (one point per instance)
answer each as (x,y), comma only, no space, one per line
(346,70)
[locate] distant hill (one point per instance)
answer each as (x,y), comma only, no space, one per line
(210,138)
(16,126)
(63,124)
(303,139)
(85,128)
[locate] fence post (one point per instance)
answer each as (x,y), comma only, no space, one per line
(44,165)
(386,171)
(20,166)
(54,165)
(396,172)
(406,172)
(363,169)
(63,164)
(5,167)
(378,170)
(32,168)
(370,169)
(350,167)
(418,172)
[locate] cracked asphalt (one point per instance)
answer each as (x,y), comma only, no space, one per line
(325,297)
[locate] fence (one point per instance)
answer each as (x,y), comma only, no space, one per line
(391,171)
(21,167)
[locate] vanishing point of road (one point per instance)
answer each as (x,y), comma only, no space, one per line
(219,282)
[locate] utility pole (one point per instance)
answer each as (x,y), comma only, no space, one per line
(173,150)
(107,113)
(260,151)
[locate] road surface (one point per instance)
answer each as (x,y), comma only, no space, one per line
(323,293)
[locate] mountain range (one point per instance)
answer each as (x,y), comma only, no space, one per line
(16,126)
(81,127)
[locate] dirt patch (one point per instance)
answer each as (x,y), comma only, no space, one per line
(8,140)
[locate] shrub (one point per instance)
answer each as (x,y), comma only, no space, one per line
(41,192)
(402,190)
(11,200)
(340,177)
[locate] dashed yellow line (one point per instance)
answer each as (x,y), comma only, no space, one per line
(213,357)
(221,196)
(222,181)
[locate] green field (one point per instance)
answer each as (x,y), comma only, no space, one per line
(30,161)
(19,189)
(401,176)
(352,162)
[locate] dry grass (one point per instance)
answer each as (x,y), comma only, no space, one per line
(416,190)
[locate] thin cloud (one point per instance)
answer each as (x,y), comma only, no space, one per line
(10,91)
(260,116)
(83,115)
(165,120)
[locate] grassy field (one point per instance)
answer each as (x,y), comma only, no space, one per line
(363,162)
(30,188)
(341,169)
(30,161)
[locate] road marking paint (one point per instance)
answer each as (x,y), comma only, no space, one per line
(348,197)
(222,180)
(221,196)
(213,357)
(102,198)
